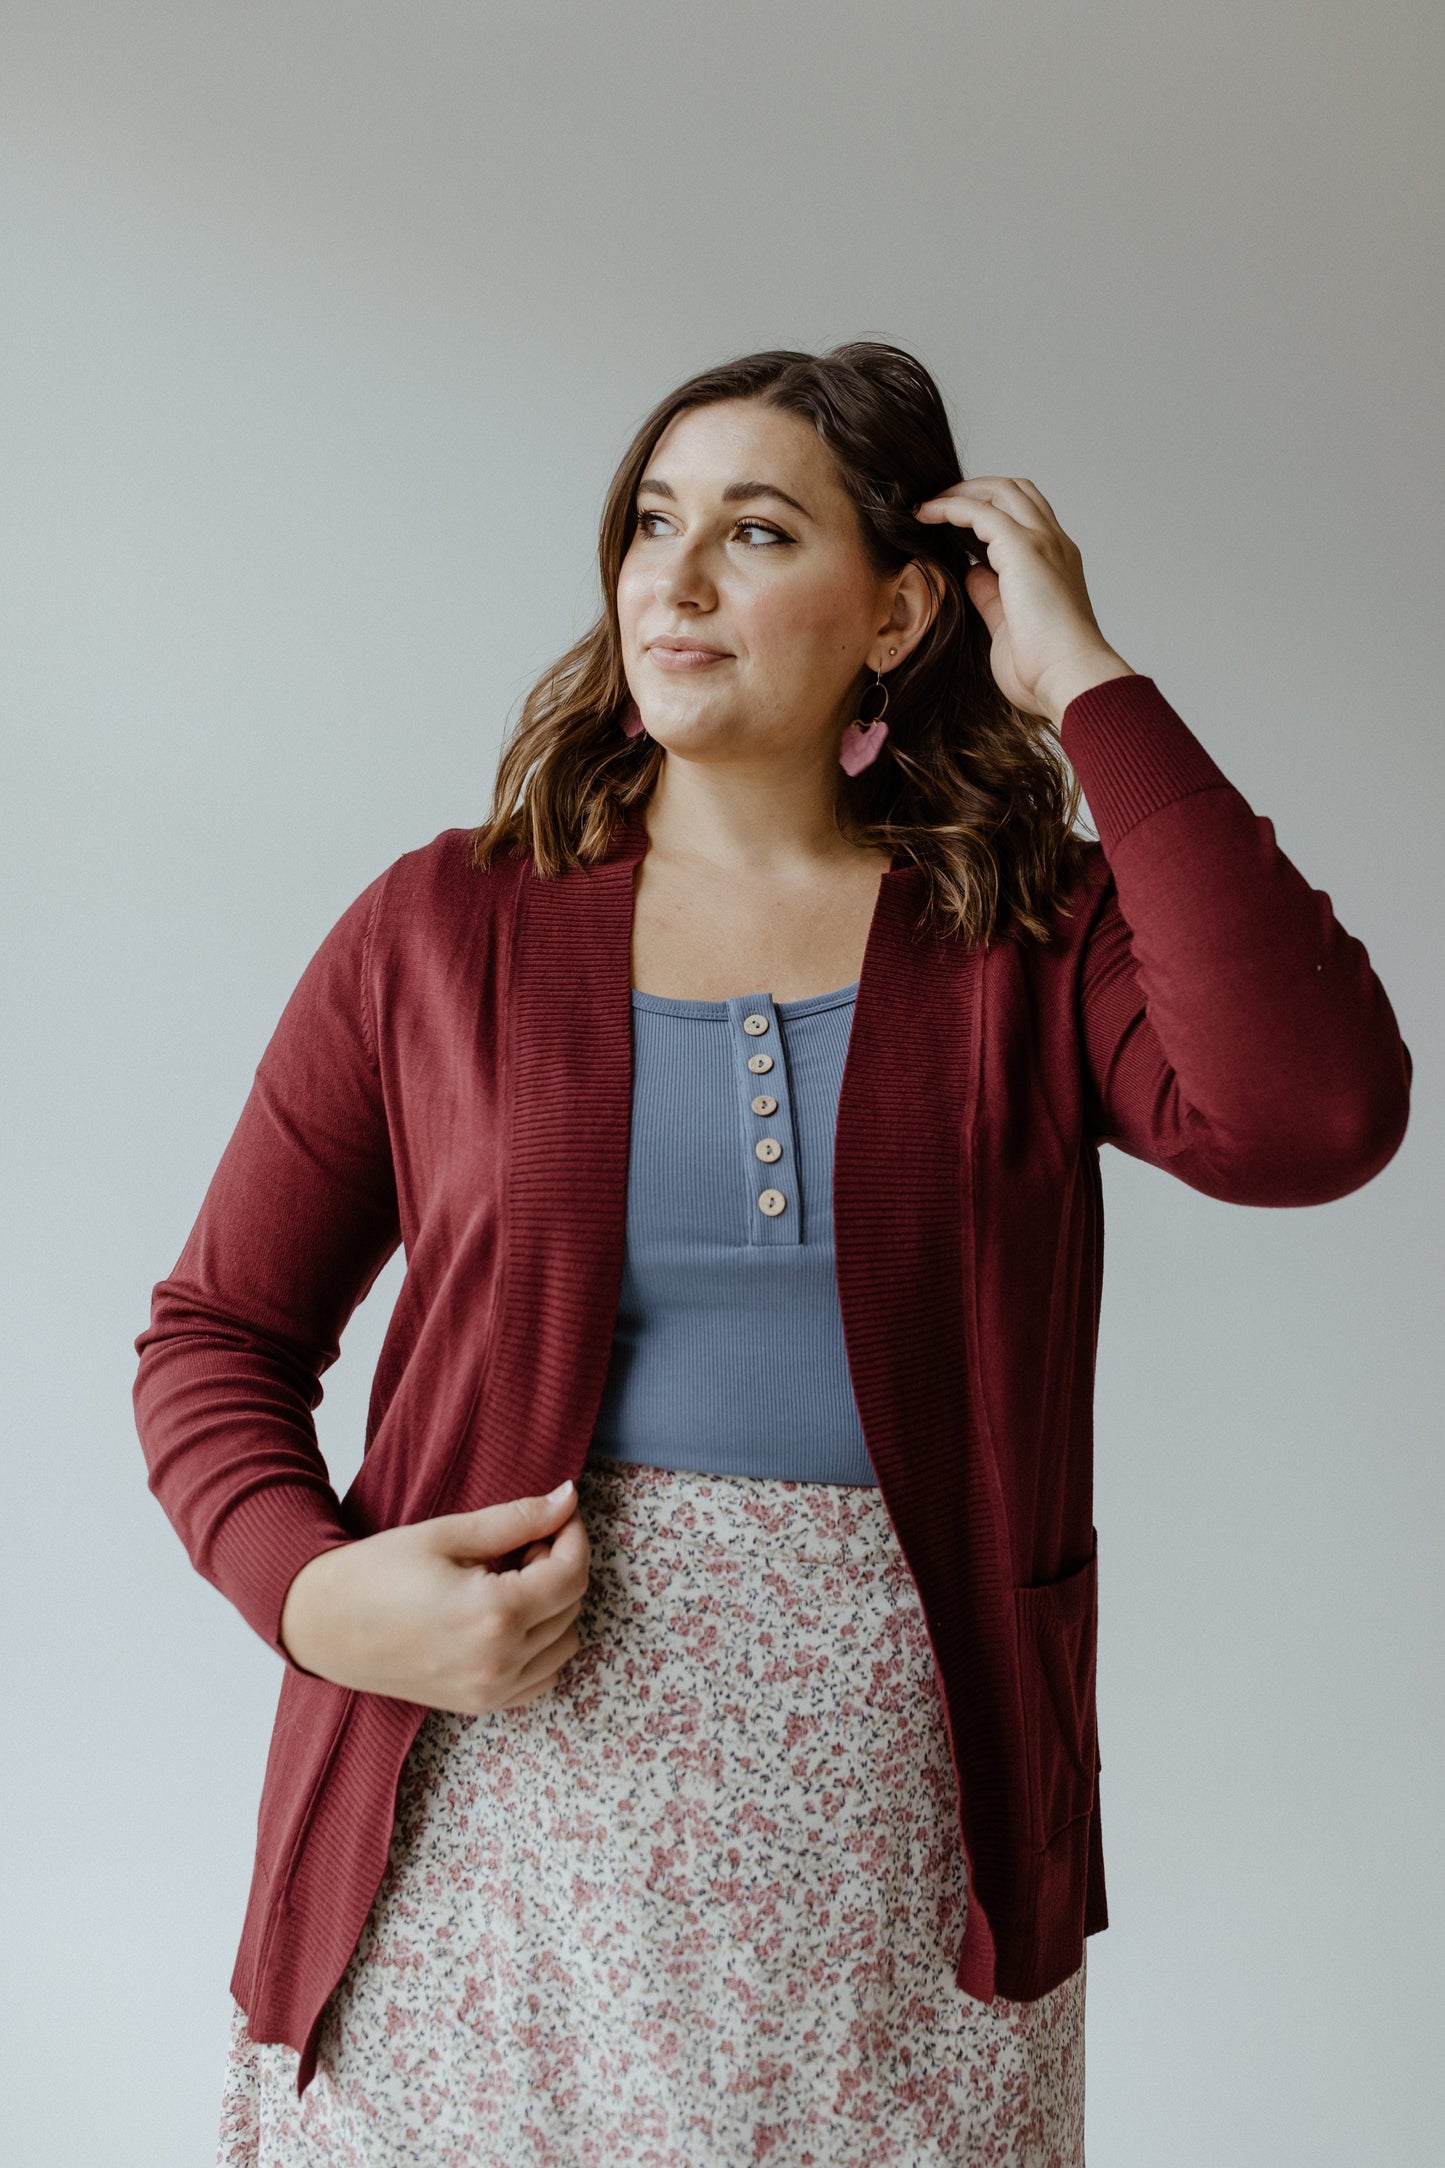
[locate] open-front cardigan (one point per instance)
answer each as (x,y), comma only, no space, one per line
(452,1073)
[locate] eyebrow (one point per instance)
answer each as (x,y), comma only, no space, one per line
(735,493)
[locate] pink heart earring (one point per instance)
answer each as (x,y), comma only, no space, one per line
(863,742)
(631,719)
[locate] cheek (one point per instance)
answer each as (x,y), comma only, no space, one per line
(629,597)
(796,621)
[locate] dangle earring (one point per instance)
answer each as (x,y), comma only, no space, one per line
(863,742)
(631,719)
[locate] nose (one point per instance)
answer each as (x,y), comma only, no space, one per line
(685,581)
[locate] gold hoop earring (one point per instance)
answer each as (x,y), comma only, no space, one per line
(863,742)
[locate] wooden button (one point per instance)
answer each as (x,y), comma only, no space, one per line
(772,1201)
(768,1148)
(755,1026)
(760,1064)
(764,1105)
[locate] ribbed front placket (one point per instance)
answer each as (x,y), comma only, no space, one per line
(769,1150)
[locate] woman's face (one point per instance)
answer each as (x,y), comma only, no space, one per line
(784,609)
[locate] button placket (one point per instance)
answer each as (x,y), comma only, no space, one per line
(769,1158)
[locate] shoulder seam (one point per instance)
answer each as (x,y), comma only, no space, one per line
(368,1031)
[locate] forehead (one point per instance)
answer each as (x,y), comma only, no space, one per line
(743,437)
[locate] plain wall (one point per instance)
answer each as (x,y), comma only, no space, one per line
(323,329)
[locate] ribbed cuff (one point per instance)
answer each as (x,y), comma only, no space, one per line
(1132,754)
(262,1545)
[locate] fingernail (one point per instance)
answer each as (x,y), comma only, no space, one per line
(555,1497)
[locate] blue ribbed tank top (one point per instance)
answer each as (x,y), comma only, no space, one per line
(728,1355)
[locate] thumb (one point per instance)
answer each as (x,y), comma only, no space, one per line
(981,585)
(492,1531)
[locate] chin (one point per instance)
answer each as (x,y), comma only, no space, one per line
(689,708)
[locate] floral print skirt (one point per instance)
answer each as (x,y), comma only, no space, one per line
(698,1905)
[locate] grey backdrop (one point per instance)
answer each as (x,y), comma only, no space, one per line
(324,327)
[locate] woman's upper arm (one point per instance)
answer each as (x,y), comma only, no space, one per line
(298,1220)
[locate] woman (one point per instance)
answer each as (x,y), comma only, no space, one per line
(687,1747)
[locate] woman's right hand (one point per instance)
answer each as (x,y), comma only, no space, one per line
(421,1613)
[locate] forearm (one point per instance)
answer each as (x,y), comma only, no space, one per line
(1281,1045)
(232,1457)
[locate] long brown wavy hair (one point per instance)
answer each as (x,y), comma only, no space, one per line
(968,786)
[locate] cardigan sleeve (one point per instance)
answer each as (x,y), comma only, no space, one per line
(299,1218)
(1233,1033)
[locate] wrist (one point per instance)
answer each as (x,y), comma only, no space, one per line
(1079,675)
(304,1608)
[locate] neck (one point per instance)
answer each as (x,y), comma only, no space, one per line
(753,821)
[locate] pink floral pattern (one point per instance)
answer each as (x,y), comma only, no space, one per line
(695,1907)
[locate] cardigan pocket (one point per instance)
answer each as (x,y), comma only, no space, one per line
(1058,1625)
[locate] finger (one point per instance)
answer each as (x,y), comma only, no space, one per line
(496,1531)
(987,520)
(547,1629)
(1032,490)
(560,1575)
(981,582)
(519,1701)
(571,1544)
(550,1657)
(1018,499)
(946,502)
(994,528)
(539,1692)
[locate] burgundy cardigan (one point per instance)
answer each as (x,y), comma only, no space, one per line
(453,1073)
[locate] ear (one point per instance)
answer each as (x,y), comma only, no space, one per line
(915,606)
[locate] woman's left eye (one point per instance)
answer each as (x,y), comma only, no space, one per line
(775,533)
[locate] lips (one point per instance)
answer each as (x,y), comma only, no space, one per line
(678,658)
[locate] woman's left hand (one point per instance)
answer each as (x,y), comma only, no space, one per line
(1047,646)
